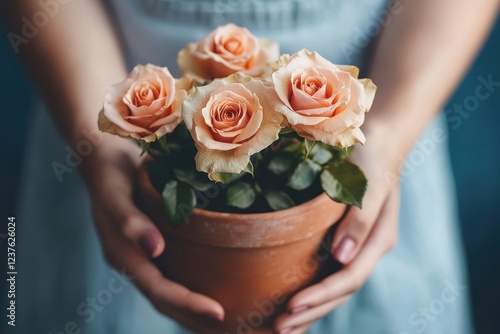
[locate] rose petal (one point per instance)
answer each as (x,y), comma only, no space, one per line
(370,90)
(346,138)
(144,106)
(115,110)
(260,131)
(331,113)
(213,161)
(227,50)
(206,139)
(252,126)
(352,70)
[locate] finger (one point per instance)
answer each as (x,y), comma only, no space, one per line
(301,329)
(352,232)
(352,277)
(128,220)
(167,296)
(296,330)
(307,316)
(114,194)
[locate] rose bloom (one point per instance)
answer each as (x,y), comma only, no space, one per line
(145,106)
(322,101)
(230,119)
(227,50)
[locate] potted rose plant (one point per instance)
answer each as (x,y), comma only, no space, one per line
(247,163)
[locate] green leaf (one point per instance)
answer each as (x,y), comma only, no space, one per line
(240,195)
(279,200)
(193,178)
(226,178)
(304,175)
(295,148)
(286,130)
(249,168)
(321,155)
(179,201)
(144,146)
(281,164)
(344,183)
(348,150)
(163,144)
(309,144)
(342,153)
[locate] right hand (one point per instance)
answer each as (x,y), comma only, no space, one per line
(130,239)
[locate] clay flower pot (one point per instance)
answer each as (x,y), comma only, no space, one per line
(251,263)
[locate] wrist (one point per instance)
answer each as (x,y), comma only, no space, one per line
(382,155)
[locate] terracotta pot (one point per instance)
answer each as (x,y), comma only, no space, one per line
(250,263)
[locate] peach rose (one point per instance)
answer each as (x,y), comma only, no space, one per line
(227,50)
(322,101)
(230,119)
(146,106)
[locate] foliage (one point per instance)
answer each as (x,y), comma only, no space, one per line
(287,173)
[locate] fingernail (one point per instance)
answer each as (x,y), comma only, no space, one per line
(149,243)
(345,250)
(299,309)
(286,330)
(216,316)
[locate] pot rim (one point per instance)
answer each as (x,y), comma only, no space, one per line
(233,230)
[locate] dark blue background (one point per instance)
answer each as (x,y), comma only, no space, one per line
(474,148)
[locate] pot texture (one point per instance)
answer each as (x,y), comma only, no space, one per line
(250,263)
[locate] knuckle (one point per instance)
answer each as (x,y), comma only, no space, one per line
(360,227)
(128,226)
(187,300)
(151,291)
(356,281)
(328,291)
(154,291)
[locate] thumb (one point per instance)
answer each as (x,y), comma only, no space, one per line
(357,225)
(137,227)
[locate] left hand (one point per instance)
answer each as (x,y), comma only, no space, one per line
(361,239)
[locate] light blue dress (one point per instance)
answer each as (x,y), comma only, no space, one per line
(64,284)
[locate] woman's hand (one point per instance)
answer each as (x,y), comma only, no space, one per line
(404,75)
(130,239)
(361,239)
